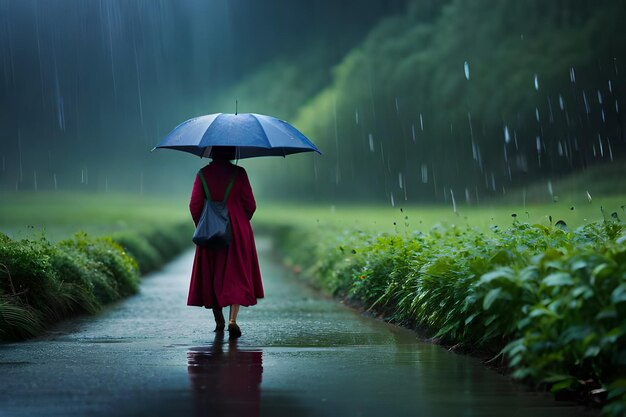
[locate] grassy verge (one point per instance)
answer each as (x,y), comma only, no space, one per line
(44,280)
(544,300)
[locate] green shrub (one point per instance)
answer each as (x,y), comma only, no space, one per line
(17,321)
(548,301)
(140,249)
(41,282)
(28,275)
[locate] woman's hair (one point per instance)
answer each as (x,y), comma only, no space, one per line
(224,152)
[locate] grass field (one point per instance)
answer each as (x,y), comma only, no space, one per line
(519,288)
(371,218)
(50,271)
(60,215)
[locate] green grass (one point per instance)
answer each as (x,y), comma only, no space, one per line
(60,215)
(374,218)
(548,300)
(545,299)
(48,271)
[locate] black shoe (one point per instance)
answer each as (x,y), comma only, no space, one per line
(234,331)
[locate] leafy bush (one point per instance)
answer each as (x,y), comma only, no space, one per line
(146,255)
(549,302)
(42,282)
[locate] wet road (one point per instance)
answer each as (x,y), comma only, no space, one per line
(300,354)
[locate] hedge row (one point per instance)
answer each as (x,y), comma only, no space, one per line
(547,302)
(43,282)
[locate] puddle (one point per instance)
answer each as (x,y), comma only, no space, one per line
(225,380)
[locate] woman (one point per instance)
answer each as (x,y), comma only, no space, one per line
(230,276)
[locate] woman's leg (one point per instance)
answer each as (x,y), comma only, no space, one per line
(233,329)
(219,319)
(234,310)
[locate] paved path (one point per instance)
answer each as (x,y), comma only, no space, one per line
(300,355)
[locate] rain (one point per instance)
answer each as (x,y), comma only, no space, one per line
(98,84)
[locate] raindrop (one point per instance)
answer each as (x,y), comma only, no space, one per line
(413,132)
(610,87)
(572,75)
(537,113)
(356,116)
(19,152)
(493,182)
(467,195)
(371,140)
(588,196)
(60,111)
(603,117)
(453,200)
(35,180)
(507,136)
(393,202)
(406,197)
(421,122)
(139,98)
(397,107)
(560,148)
(610,150)
(616,106)
(54,179)
(400,183)
(424,173)
(561,103)
(538,143)
(550,190)
(599,97)
(536,82)
(601,146)
(550,111)
(586,102)
(467,69)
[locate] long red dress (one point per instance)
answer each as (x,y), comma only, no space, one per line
(227,276)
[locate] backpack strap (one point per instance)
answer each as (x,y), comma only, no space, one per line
(206,188)
(230,185)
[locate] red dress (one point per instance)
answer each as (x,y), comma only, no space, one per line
(227,276)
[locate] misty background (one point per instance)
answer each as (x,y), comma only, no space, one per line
(408,100)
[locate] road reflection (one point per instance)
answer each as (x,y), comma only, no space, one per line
(225,381)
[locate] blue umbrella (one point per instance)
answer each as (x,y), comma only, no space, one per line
(252,135)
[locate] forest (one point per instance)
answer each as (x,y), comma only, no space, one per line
(416,100)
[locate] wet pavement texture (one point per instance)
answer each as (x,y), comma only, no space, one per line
(300,354)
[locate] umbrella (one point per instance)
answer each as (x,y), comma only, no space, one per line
(251,134)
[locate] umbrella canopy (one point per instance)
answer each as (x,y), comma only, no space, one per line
(252,135)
